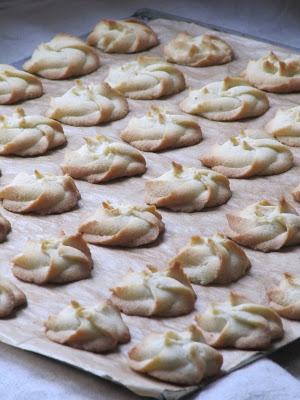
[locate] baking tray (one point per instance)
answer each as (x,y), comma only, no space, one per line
(25,331)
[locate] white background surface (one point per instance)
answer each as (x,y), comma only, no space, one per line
(23,25)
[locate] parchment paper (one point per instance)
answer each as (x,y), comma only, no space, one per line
(25,330)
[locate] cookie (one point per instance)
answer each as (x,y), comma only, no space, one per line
(212,260)
(152,292)
(29,135)
(122,36)
(161,129)
(187,189)
(265,226)
(96,328)
(273,74)
(57,260)
(198,51)
(88,105)
(101,159)
(122,225)
(146,78)
(16,85)
(176,357)
(232,99)
(40,194)
(251,153)
(241,324)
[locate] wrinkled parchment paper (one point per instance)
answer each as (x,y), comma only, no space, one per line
(25,330)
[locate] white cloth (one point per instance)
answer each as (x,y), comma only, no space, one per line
(23,25)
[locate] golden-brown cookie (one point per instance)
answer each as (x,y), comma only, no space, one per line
(187,189)
(251,153)
(176,357)
(285,126)
(265,226)
(285,298)
(240,323)
(273,74)
(16,85)
(122,225)
(161,129)
(122,36)
(88,105)
(5,228)
(101,159)
(198,51)
(29,135)
(166,293)
(65,56)
(146,78)
(11,297)
(57,260)
(212,260)
(97,328)
(40,194)
(229,100)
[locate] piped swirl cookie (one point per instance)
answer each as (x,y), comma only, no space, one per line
(97,328)
(198,51)
(88,105)
(161,129)
(229,100)
(146,78)
(5,228)
(176,357)
(16,85)
(166,293)
(40,194)
(65,56)
(29,135)
(212,260)
(101,159)
(251,153)
(265,226)
(122,36)
(187,189)
(240,324)
(285,126)
(273,74)
(57,260)
(285,298)
(123,225)
(11,297)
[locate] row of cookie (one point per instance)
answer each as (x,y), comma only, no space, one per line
(148,78)
(180,189)
(49,59)
(100,328)
(145,78)
(93,104)
(167,293)
(263,226)
(270,72)
(67,56)
(100,159)
(205,260)
(162,79)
